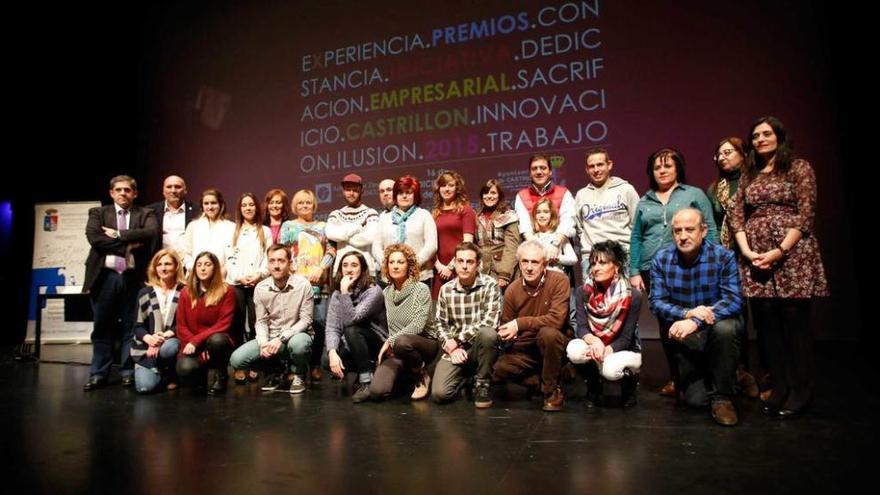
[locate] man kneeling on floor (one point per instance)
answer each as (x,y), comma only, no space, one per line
(536,326)
(283,305)
(695,294)
(468,310)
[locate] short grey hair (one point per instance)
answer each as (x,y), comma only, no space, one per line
(531,244)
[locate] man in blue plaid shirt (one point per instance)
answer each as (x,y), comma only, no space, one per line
(695,294)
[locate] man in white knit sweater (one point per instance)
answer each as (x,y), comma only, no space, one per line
(353,227)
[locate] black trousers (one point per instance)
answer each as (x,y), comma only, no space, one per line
(706,361)
(785,327)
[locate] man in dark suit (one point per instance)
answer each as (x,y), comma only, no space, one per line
(173,214)
(121,236)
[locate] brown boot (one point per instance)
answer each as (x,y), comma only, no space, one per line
(747,383)
(554,401)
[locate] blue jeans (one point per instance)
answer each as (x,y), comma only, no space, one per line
(297,352)
(147,380)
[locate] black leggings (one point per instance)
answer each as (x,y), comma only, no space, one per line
(190,369)
(785,328)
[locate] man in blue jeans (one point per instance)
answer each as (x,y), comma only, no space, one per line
(696,296)
(283,304)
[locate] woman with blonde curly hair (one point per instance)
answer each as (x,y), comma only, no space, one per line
(411,345)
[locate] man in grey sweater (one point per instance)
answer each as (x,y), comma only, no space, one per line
(606,207)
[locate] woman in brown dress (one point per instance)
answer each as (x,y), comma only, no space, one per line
(780,264)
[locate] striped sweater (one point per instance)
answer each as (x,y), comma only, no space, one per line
(150,322)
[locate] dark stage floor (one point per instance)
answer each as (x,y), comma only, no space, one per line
(58,439)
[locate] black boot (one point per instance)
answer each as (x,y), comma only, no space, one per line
(593,399)
(220,380)
(629,390)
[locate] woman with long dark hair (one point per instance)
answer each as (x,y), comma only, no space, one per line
(246,266)
(497,234)
(780,264)
(356,324)
(204,318)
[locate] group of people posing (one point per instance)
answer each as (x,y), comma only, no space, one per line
(431,302)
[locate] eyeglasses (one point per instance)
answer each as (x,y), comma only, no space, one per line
(724,153)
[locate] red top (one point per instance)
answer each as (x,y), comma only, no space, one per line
(451,228)
(530,196)
(195,325)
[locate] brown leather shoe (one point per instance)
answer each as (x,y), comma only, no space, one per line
(724,413)
(316,374)
(668,390)
(240,377)
(554,401)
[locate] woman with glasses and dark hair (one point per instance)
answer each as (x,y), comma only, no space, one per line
(780,264)
(608,345)
(497,234)
(729,158)
(652,227)
(356,323)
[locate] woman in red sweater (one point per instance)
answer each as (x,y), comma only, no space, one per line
(204,317)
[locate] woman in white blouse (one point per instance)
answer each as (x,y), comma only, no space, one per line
(210,232)
(246,266)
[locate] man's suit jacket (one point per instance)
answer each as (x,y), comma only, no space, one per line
(142,230)
(159,210)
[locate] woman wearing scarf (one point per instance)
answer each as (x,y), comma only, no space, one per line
(608,345)
(408,224)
